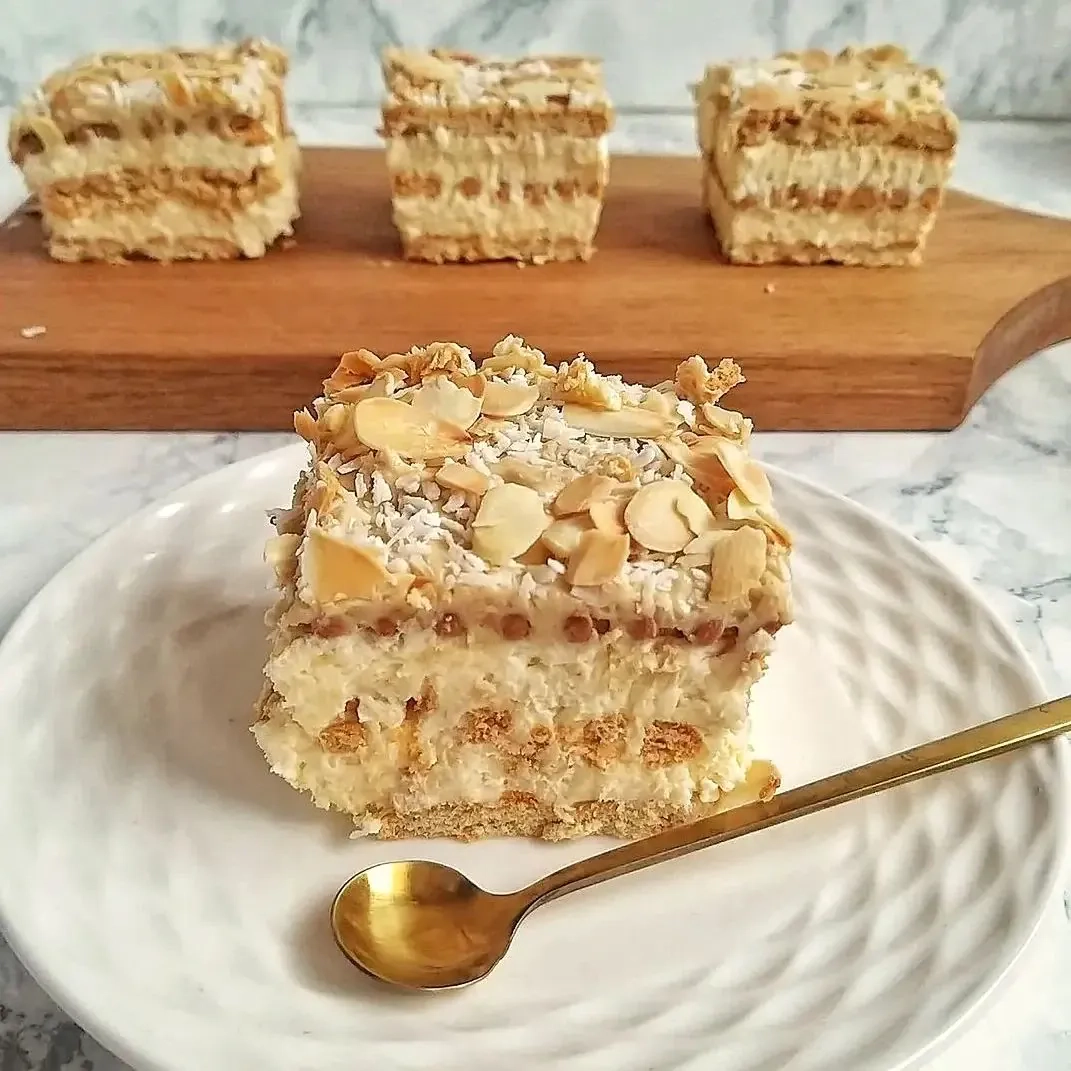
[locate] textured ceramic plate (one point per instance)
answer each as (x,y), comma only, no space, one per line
(172,894)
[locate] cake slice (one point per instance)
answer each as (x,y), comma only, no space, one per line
(812,157)
(172,155)
(495,160)
(521,600)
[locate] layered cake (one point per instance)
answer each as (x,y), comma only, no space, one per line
(518,599)
(814,157)
(495,160)
(172,155)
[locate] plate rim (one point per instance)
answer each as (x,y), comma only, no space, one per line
(68,1001)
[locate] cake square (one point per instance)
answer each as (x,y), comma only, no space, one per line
(521,600)
(812,157)
(495,159)
(175,154)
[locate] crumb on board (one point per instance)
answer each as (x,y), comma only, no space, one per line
(769,288)
(32,332)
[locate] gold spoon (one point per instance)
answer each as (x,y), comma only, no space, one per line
(424,925)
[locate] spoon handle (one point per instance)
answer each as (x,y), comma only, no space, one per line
(986,741)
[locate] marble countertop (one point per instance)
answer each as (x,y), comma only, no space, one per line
(993,498)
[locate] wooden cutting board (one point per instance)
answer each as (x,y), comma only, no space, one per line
(241,345)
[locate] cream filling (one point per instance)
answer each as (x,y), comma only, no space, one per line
(540,682)
(452,215)
(794,226)
(498,158)
(480,773)
(173,151)
(757,170)
(252,228)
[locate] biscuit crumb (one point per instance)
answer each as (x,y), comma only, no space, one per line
(769,288)
(33,332)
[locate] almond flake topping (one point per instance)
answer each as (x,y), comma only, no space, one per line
(739,508)
(608,515)
(629,422)
(737,563)
(748,475)
(578,495)
(562,537)
(655,520)
(578,382)
(697,384)
(336,570)
(457,477)
(438,397)
(509,399)
(389,424)
(510,519)
(598,558)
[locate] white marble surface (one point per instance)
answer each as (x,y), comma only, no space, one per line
(1004,58)
(993,498)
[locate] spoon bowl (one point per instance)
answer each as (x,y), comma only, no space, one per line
(422,925)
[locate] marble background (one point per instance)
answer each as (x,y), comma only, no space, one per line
(1003,58)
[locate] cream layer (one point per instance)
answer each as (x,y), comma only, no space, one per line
(815,226)
(453,215)
(174,151)
(252,228)
(757,170)
(457,772)
(496,159)
(540,682)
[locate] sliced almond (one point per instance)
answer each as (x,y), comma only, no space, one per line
(737,563)
(657,402)
(306,425)
(324,490)
(608,514)
(562,537)
(724,422)
(384,384)
(335,570)
(578,495)
(598,558)
(280,552)
(487,427)
(653,519)
(694,510)
(510,519)
(740,509)
(626,423)
(543,477)
(389,424)
(677,451)
(578,383)
(455,477)
(476,384)
(747,474)
(438,397)
(703,545)
(536,554)
(710,476)
(509,399)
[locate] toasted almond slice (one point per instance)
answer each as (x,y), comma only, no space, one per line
(629,422)
(536,554)
(438,397)
(703,545)
(577,495)
(389,424)
(335,570)
(510,519)
(677,451)
(476,384)
(747,474)
(740,509)
(384,385)
(562,537)
(710,476)
(664,404)
(578,383)
(653,519)
(598,558)
(608,514)
(509,399)
(737,563)
(280,552)
(306,425)
(457,477)
(724,422)
(486,427)
(546,477)
(694,510)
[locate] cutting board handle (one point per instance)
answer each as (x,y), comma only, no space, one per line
(1040,320)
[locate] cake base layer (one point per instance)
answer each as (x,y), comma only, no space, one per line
(537,249)
(521,815)
(850,254)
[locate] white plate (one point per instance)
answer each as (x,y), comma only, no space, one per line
(172,894)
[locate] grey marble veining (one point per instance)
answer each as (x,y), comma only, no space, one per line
(1003,57)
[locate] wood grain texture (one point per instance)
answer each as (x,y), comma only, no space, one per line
(240,345)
